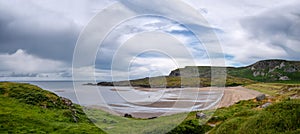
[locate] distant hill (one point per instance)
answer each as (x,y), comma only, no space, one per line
(269,70)
(200,76)
(179,82)
(264,71)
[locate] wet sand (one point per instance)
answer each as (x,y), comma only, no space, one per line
(231,96)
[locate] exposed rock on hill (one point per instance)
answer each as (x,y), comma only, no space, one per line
(266,70)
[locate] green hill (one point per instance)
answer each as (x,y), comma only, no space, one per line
(178,82)
(25,108)
(263,71)
(201,76)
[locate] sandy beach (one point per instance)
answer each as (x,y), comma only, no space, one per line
(235,94)
(231,96)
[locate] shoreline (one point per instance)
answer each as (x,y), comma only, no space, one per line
(231,95)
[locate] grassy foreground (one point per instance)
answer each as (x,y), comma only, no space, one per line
(26,108)
(248,117)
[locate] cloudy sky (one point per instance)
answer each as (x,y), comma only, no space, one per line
(38,38)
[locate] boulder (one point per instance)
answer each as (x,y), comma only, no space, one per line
(152,117)
(290,69)
(260,97)
(256,74)
(282,65)
(266,105)
(66,101)
(284,78)
(200,115)
(128,115)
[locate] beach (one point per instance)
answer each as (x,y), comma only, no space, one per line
(230,96)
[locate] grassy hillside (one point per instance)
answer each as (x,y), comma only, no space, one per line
(200,76)
(263,71)
(246,117)
(269,71)
(177,82)
(25,108)
(282,116)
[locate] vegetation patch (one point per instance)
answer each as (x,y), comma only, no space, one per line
(25,108)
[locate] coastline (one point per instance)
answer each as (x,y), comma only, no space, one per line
(230,96)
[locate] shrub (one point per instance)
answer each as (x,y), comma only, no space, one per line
(190,127)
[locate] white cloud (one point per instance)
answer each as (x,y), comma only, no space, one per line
(22,62)
(151,66)
(248,45)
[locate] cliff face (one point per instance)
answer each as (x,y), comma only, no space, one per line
(266,70)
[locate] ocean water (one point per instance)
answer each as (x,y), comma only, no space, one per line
(129,99)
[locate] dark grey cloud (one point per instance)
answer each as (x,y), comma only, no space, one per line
(37,38)
(38,31)
(13,74)
(278,27)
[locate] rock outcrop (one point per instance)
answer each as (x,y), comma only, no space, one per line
(274,69)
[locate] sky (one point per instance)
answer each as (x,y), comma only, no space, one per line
(38,38)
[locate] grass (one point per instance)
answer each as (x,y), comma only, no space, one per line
(266,88)
(116,124)
(281,117)
(25,108)
(276,89)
